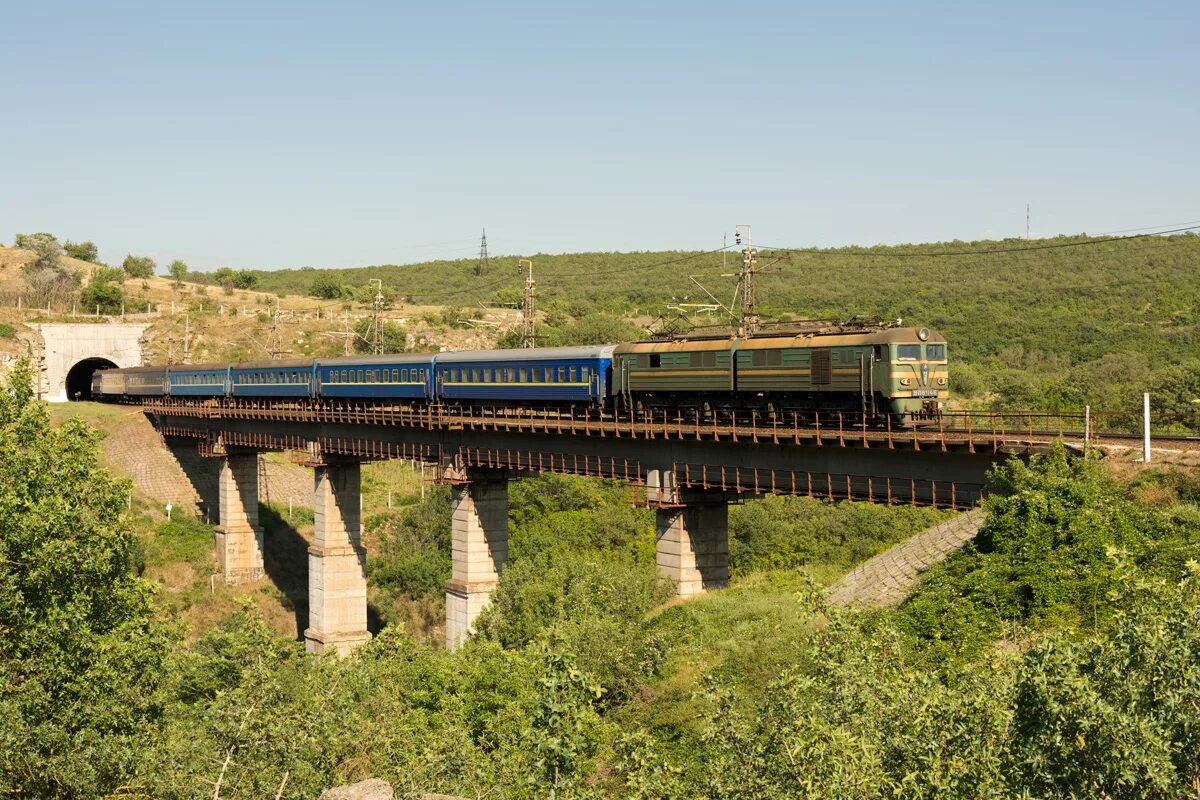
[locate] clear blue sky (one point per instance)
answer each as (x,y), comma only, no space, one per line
(338,134)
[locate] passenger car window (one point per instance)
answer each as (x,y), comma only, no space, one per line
(935,352)
(908,352)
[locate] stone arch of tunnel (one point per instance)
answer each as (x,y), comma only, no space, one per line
(79,377)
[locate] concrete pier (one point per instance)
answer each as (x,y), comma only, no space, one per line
(239,537)
(692,542)
(337,563)
(480,548)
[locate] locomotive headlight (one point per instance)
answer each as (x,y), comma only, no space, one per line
(905,381)
(941,381)
(923,334)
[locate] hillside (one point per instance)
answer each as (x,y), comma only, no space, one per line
(1076,321)
(1052,324)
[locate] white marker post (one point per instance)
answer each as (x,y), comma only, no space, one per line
(1146,428)
(1087,428)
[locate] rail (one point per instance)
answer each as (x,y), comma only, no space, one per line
(956,430)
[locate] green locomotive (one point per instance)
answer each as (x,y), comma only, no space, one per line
(875,371)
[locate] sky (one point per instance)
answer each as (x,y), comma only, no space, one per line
(267,135)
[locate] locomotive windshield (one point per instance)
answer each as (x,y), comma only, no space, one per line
(935,352)
(908,352)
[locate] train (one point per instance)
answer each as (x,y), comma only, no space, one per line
(882,372)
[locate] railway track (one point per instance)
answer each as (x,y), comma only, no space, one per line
(956,431)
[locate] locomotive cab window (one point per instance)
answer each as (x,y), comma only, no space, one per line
(908,352)
(935,352)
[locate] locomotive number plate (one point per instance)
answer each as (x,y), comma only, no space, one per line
(925,393)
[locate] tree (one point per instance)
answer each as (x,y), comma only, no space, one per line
(224,278)
(84,251)
(326,287)
(394,336)
(103,296)
(49,280)
(81,652)
(244,279)
(138,266)
(178,270)
(46,250)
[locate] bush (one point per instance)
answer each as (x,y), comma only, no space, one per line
(394,337)
(104,295)
(414,547)
(1041,557)
(326,287)
(790,532)
(7,331)
(138,266)
(84,251)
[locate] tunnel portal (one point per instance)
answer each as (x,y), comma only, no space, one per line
(79,377)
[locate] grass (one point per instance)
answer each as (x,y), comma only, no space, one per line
(102,416)
(749,633)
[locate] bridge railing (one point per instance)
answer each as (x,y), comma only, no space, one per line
(969,428)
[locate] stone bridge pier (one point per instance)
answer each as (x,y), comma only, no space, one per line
(337,561)
(691,531)
(691,526)
(479,536)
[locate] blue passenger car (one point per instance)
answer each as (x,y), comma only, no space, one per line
(387,376)
(198,380)
(540,374)
(290,378)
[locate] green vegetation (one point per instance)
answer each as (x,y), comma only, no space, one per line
(49,280)
(1055,657)
(104,293)
(178,271)
(393,337)
(7,331)
(1053,328)
(1046,556)
(235,279)
(84,251)
(138,266)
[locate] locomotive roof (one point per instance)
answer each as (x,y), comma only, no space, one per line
(683,345)
(888,336)
(529,354)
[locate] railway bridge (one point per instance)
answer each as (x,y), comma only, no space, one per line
(687,470)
